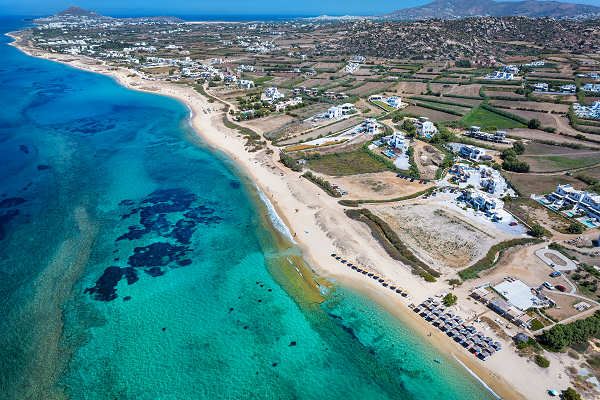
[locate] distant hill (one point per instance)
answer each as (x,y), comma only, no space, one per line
(471,8)
(75,11)
(74,14)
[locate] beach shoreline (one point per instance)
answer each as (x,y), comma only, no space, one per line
(318,226)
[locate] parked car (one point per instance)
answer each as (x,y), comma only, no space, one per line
(561,288)
(555,274)
(548,286)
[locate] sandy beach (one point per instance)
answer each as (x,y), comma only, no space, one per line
(320,227)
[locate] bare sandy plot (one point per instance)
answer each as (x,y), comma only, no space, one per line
(369,87)
(411,87)
(327,65)
(564,304)
(593,172)
(465,90)
(463,102)
(551,97)
(545,118)
(504,94)
(378,186)
(314,83)
(440,236)
(325,130)
(267,124)
(541,135)
(538,184)
(533,105)
(470,102)
(427,158)
(537,149)
(433,115)
(554,75)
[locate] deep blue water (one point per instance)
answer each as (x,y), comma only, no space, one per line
(136,264)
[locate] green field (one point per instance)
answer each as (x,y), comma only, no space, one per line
(261,80)
(348,163)
(439,106)
(486,119)
(559,163)
(383,105)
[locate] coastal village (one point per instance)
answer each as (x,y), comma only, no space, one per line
(473,175)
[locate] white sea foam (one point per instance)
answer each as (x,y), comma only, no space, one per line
(275,218)
(489,389)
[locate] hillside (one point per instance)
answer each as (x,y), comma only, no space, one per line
(469,8)
(75,11)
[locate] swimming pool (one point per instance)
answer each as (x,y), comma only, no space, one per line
(589,222)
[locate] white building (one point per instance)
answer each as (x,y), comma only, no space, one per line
(371,126)
(568,89)
(248,68)
(350,68)
(481,201)
(425,127)
(283,105)
(334,112)
(246,83)
(591,87)
(477,133)
(511,69)
(588,202)
(271,94)
(399,142)
(471,152)
(500,75)
(347,108)
(394,102)
(589,112)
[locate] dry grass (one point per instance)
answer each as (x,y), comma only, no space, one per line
(439,236)
(539,184)
(434,115)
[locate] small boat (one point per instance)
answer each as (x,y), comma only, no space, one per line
(437,361)
(553,392)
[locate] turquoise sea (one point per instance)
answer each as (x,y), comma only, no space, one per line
(136,263)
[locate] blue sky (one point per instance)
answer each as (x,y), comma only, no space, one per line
(234,7)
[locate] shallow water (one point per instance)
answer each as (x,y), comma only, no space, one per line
(137,264)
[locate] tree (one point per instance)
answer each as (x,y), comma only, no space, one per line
(509,153)
(450,300)
(571,394)
(515,165)
(409,127)
(534,124)
(575,228)
(537,230)
(518,147)
(454,282)
(542,361)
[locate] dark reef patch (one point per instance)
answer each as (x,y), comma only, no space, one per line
(170,214)
(155,255)
(24,149)
(105,288)
(5,219)
(11,202)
